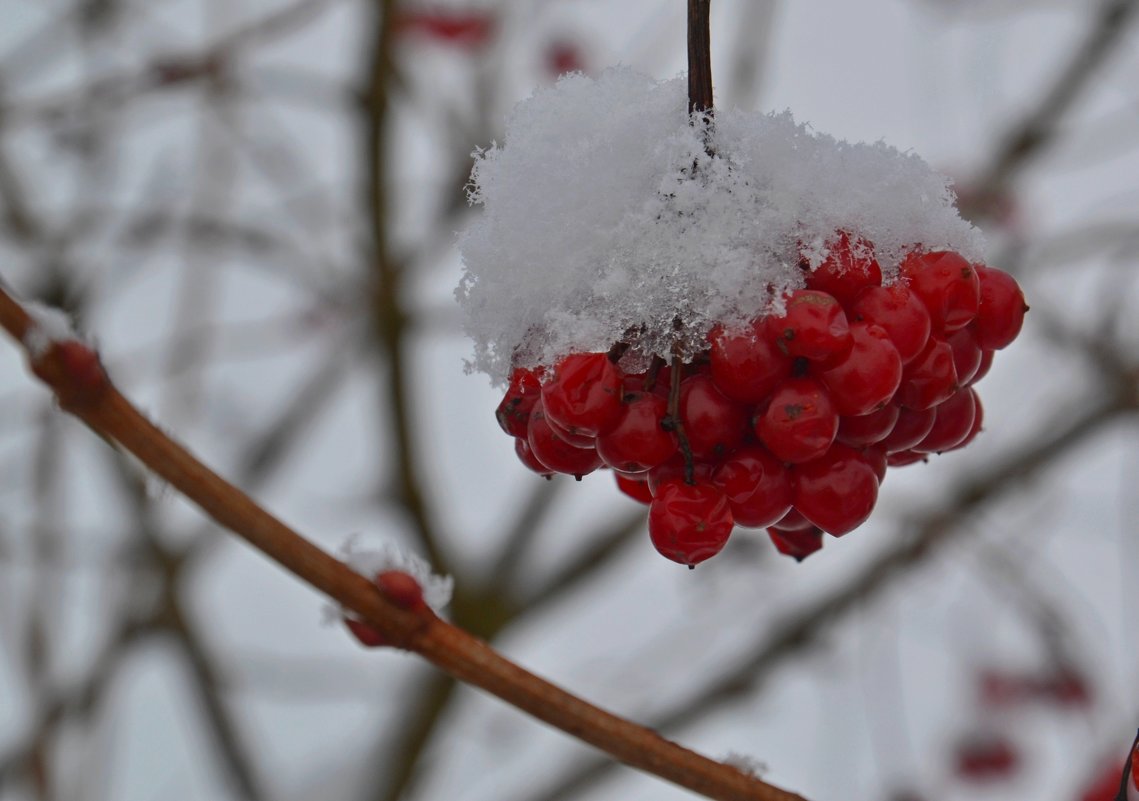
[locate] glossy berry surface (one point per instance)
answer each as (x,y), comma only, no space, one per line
(639,441)
(674,470)
(947,285)
(930,378)
(952,423)
(797,543)
(910,428)
(635,488)
(837,491)
(867,429)
(513,413)
(527,457)
(746,365)
(1002,307)
(800,422)
(899,312)
(757,485)
(714,423)
(848,268)
(584,395)
(554,452)
(967,354)
(689,523)
(868,377)
(814,327)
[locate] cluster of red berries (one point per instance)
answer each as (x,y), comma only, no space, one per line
(790,423)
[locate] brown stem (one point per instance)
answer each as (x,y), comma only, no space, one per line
(107,412)
(699,58)
(674,421)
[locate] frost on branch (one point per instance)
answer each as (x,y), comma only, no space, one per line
(371,561)
(605,218)
(49,326)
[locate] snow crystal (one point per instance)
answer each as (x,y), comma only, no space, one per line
(747,765)
(390,556)
(605,219)
(49,325)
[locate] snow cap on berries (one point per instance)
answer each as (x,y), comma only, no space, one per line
(606,219)
(371,561)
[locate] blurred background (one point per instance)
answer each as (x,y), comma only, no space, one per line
(251,207)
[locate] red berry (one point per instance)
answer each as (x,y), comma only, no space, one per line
(364,633)
(985,366)
(1105,787)
(584,396)
(947,285)
(793,521)
(903,458)
(689,523)
(797,543)
(1002,308)
(877,459)
(746,365)
(868,377)
(514,411)
(673,470)
(953,422)
(554,452)
(966,354)
(837,491)
(635,488)
(900,312)
(800,422)
(986,757)
(848,268)
(527,457)
(814,327)
(638,442)
(930,378)
(866,429)
(401,589)
(978,422)
(577,440)
(714,424)
(909,430)
(758,486)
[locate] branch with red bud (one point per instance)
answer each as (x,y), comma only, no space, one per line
(392,606)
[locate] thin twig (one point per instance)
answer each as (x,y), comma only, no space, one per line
(96,401)
(1032,134)
(390,318)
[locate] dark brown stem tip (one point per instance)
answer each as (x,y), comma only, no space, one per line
(699,58)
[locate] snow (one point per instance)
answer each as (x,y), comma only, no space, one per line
(604,215)
(49,325)
(388,555)
(745,764)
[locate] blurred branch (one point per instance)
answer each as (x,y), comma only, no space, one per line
(78,701)
(391,319)
(72,371)
(600,551)
(168,72)
(1029,137)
